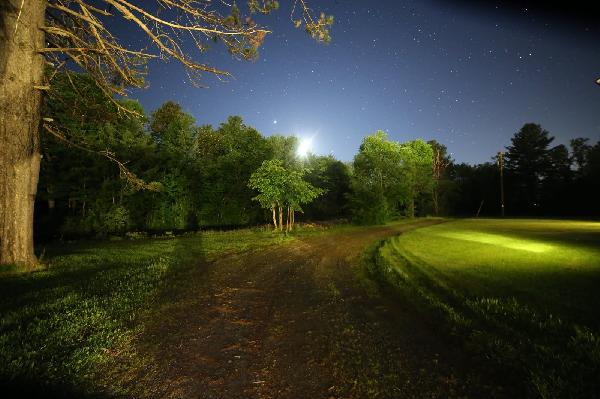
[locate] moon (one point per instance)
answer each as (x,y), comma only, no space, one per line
(303,148)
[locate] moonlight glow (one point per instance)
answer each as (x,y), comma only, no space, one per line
(303,149)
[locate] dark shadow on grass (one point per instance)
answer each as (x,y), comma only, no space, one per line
(410,293)
(522,322)
(26,389)
(122,290)
(570,294)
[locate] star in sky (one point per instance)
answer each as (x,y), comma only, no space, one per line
(466,74)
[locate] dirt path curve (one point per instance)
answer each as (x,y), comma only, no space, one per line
(290,322)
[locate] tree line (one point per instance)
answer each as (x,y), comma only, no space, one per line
(167,172)
(172,173)
(538,179)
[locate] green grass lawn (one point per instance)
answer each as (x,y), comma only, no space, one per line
(523,293)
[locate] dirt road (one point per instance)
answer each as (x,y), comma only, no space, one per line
(293,321)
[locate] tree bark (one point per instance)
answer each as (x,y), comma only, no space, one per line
(274,216)
(21,69)
(439,166)
(280,216)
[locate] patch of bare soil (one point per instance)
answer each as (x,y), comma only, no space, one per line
(291,322)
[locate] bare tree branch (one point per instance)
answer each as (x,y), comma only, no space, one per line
(123,171)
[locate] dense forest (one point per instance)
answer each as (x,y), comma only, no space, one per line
(109,171)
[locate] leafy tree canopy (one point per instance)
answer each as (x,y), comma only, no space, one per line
(281,187)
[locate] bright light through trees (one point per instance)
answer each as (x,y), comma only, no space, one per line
(304,148)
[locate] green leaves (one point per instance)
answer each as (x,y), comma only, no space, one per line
(297,191)
(376,181)
(417,157)
(269,180)
(388,177)
(282,187)
(318,30)
(265,8)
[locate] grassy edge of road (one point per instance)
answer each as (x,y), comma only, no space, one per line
(64,325)
(67,330)
(519,294)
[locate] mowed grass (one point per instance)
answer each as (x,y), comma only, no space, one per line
(523,293)
(64,324)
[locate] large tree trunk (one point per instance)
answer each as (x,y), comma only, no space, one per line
(21,68)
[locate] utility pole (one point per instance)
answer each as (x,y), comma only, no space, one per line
(501,183)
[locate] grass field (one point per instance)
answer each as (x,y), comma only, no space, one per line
(523,293)
(63,324)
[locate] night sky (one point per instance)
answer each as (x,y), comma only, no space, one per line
(466,75)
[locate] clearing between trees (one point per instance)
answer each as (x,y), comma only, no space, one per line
(299,320)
